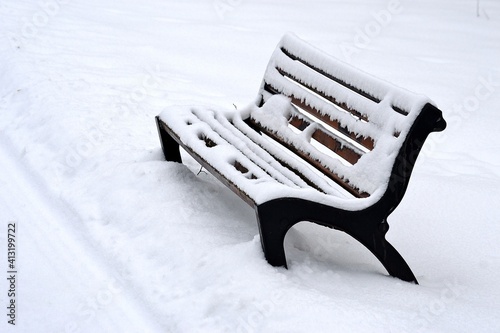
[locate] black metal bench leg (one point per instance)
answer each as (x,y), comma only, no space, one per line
(391,259)
(273,227)
(169,146)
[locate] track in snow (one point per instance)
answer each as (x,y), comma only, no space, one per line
(53,258)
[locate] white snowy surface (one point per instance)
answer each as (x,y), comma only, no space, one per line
(111,238)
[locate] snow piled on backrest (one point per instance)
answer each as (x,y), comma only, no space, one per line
(376,87)
(389,110)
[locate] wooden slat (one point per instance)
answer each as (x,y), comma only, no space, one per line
(313,162)
(335,144)
(215,127)
(244,170)
(298,123)
(327,97)
(331,77)
(366,142)
(256,127)
(341,82)
(203,162)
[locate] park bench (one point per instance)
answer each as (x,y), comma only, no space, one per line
(324,142)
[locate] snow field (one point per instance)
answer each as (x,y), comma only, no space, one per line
(114,239)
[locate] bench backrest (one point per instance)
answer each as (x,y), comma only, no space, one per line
(345,123)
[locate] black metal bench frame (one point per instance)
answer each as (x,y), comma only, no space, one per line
(275,217)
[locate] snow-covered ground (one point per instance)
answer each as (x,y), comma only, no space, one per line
(111,238)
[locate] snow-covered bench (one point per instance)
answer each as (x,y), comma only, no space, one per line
(324,143)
